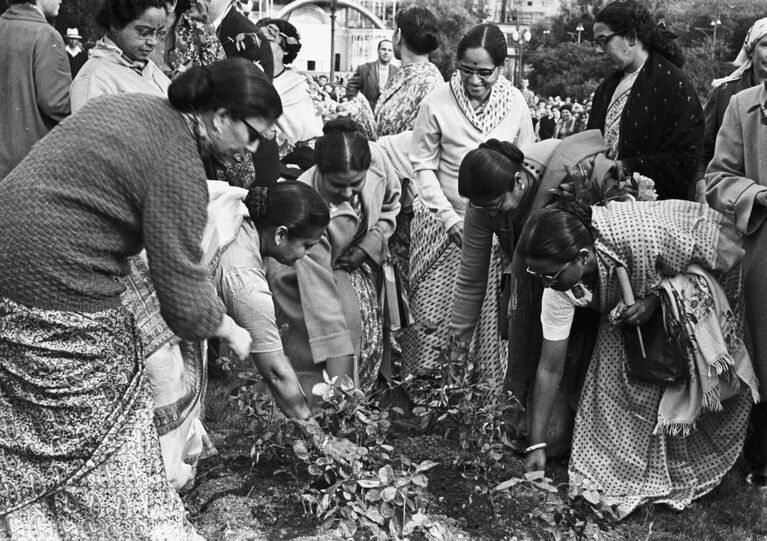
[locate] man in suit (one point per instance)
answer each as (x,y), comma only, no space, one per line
(371,78)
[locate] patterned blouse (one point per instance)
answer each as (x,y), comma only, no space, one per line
(397,107)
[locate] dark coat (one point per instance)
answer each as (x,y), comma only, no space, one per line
(661,126)
(253,45)
(365,80)
(713,112)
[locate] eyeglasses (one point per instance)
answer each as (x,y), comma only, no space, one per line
(490,206)
(601,41)
(146,33)
(548,277)
(256,135)
(481,73)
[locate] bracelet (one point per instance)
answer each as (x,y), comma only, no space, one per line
(536,447)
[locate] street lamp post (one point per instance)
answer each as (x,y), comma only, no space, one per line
(333,7)
(521,39)
(715,24)
(579,29)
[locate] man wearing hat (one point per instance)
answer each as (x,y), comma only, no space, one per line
(35,78)
(75,53)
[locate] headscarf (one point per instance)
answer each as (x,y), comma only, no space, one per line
(757,31)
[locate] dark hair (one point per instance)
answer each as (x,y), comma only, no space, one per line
(629,17)
(342,148)
(488,171)
(419,28)
(565,107)
(119,13)
(235,84)
(382,42)
(487,36)
(289,203)
(557,232)
(291,49)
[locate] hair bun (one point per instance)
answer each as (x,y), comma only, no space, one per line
(191,88)
(256,200)
(340,125)
(509,150)
(579,210)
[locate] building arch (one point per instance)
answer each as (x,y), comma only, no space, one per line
(287,10)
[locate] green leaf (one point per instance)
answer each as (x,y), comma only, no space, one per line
(514,481)
(299,448)
(373,495)
(420,480)
(375,515)
(425,465)
(388,494)
(386,474)
(369,483)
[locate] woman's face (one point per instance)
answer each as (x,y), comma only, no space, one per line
(759,58)
(556,113)
(234,135)
(288,250)
(615,46)
(342,187)
(509,200)
(557,275)
(566,115)
(138,38)
(478,73)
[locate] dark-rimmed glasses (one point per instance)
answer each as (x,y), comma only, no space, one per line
(255,135)
(481,73)
(548,277)
(601,41)
(489,206)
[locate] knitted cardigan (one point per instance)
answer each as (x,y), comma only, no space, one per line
(122,174)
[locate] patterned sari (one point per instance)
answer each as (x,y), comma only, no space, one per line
(621,445)
(79,397)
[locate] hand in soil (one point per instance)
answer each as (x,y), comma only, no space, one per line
(536,460)
(342,450)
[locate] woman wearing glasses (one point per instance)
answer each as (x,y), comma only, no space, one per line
(79,452)
(635,441)
(477,104)
(647,110)
(120,61)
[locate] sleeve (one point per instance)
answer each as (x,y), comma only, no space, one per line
(354,85)
(174,216)
(249,302)
(676,159)
(85,87)
(526,133)
(557,313)
(326,325)
(52,76)
(728,190)
(375,242)
(471,283)
(425,155)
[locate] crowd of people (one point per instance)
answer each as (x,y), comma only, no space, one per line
(190,194)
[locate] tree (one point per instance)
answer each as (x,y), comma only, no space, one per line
(569,69)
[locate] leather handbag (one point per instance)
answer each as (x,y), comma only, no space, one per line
(662,357)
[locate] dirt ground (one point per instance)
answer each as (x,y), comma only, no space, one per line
(234,500)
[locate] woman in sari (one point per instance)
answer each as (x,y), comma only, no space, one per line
(648,110)
(79,454)
(635,441)
(327,303)
(476,105)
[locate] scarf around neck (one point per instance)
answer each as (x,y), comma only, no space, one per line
(497,105)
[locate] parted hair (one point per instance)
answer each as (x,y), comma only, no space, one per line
(488,171)
(342,148)
(557,232)
(118,13)
(487,36)
(234,84)
(292,204)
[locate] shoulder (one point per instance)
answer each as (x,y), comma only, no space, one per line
(438,96)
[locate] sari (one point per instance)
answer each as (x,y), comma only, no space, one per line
(623,445)
(65,475)
(397,107)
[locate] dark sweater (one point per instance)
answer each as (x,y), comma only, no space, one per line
(122,174)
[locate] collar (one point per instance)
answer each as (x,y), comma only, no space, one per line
(24,12)
(105,47)
(218,20)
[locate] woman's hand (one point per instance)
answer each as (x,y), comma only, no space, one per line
(351,259)
(237,338)
(535,460)
(341,449)
(639,312)
(455,234)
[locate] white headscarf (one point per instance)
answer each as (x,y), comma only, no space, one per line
(757,31)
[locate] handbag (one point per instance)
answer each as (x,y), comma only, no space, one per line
(662,357)
(394,298)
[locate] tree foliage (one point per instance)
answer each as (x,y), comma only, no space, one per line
(569,69)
